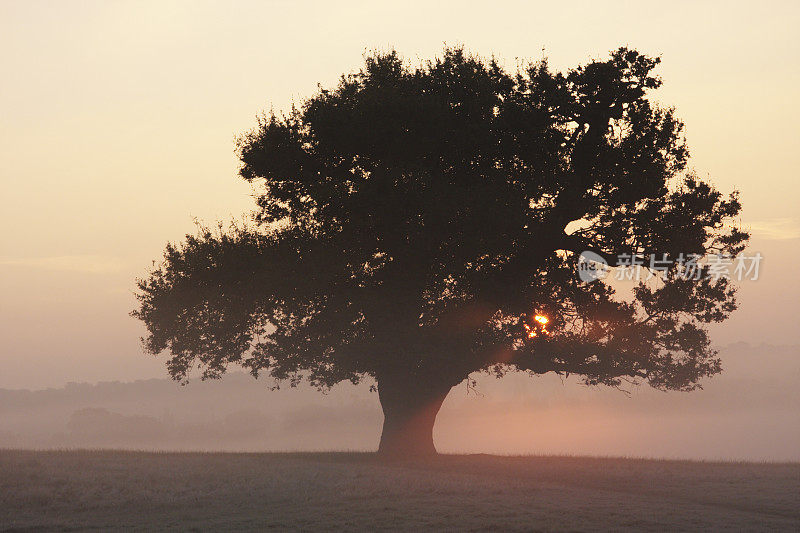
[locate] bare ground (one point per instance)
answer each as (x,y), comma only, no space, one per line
(84,490)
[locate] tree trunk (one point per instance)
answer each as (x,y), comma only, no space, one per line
(410,405)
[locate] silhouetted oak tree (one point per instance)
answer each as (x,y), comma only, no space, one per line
(412,221)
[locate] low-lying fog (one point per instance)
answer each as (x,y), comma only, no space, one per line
(751,411)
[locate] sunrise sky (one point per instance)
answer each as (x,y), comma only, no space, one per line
(119,119)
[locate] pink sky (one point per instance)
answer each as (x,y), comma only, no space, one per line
(119,120)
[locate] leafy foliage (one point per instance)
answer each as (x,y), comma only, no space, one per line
(413,220)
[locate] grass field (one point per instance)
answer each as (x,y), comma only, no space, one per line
(79,490)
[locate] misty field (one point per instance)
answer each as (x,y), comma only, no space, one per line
(354,491)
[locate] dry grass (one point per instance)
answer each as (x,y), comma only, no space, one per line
(78,490)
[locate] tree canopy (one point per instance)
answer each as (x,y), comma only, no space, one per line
(413,220)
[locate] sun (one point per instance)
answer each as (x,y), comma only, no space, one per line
(539,327)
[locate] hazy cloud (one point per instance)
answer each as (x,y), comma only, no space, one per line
(776,228)
(93,264)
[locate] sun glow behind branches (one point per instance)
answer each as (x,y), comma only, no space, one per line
(539,327)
